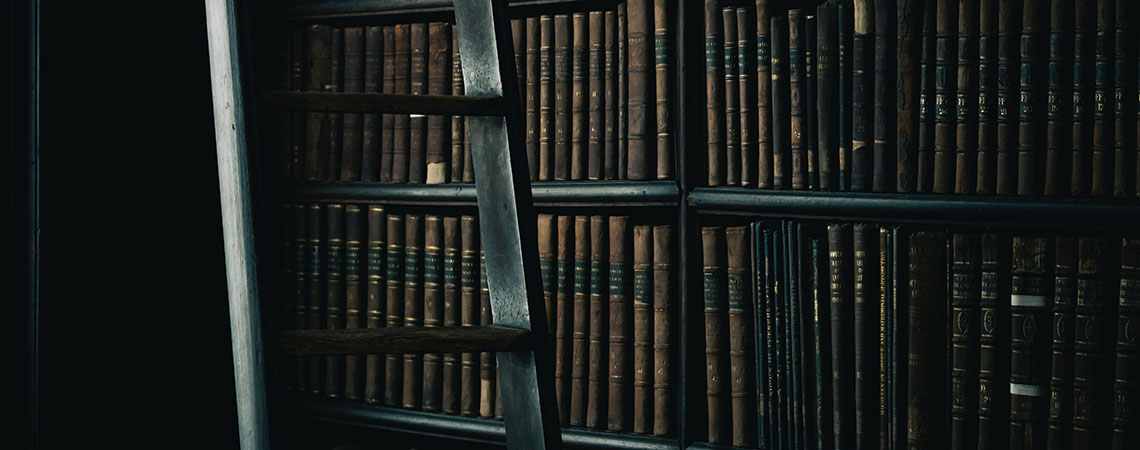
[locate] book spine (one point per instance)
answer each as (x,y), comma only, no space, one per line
(413,305)
(351,155)
(620,324)
(433,310)
(966,137)
(451,312)
(580,360)
(886,298)
(987,97)
(911,129)
(828,86)
(925,311)
(297,120)
(944,91)
(779,100)
(1092,362)
(1084,38)
(300,264)
(1008,27)
(746,88)
(842,347)
(374,364)
(579,96)
(731,109)
(1030,142)
(393,381)
(778,377)
(562,93)
(643,329)
(1127,372)
(317,124)
(597,381)
(388,121)
(764,94)
(796,82)
(1029,349)
(792,295)
(623,93)
(845,25)
(401,123)
(469,313)
(519,42)
(663,288)
(458,123)
(417,123)
(594,154)
(1124,70)
(316,288)
(924,166)
(1102,108)
(766,414)
(438,64)
(992,392)
(354,292)
(487,379)
(536,73)
(811,153)
(547,259)
(739,352)
(640,161)
(862,87)
(564,277)
(883,149)
(1061,375)
(967,287)
(546,100)
(370,126)
(821,317)
(610,97)
(865,333)
(759,344)
(713,251)
(714,94)
(1057,111)
(898,336)
(663,88)
(289,231)
(333,157)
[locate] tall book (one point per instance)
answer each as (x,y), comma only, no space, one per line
(866,328)
(764,94)
(1102,102)
(388,86)
(663,88)
(640,163)
(579,96)
(1092,362)
(966,137)
(777,375)
(739,350)
(595,167)
(597,383)
(458,123)
(993,366)
(987,97)
(351,155)
(433,310)
(374,364)
(883,150)
(924,168)
(1031,110)
(580,360)
(1084,39)
(716,365)
(897,338)
(317,124)
(966,274)
(547,259)
(945,91)
(623,92)
(926,346)
(1009,21)
(332,167)
(796,86)
(315,260)
(413,306)
(564,292)
(469,313)
(609,86)
(842,332)
(354,293)
(811,152)
(663,339)
(452,311)
(438,74)
(761,331)
(546,100)
(1127,372)
(793,333)
(562,93)
(731,109)
(531,102)
(1061,373)
(296,310)
(781,160)
(909,33)
(845,23)
(297,120)
(886,337)
(620,324)
(643,329)
(747,90)
(1029,350)
(370,133)
(401,84)
(821,316)
(1124,111)
(417,123)
(862,88)
(714,94)
(827,85)
(1058,109)
(393,369)
(487,378)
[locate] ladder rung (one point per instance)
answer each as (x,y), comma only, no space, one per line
(404,340)
(460,105)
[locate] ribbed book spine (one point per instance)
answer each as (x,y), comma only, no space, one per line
(714,94)
(842,332)
(886,298)
(579,97)
(924,166)
(643,329)
(739,352)
(1102,103)
(731,110)
(1057,109)
(581,326)
(820,301)
(796,86)
(883,151)
(354,292)
(401,84)
(844,22)
(393,371)
(458,123)
(1092,362)
(716,340)
(314,259)
(764,94)
(945,90)
(925,309)
(547,259)
(417,123)
(865,335)
(909,37)
(811,134)
(965,295)
(546,101)
(966,108)
(1029,350)
(564,291)
(663,288)
(781,140)
(862,88)
(487,379)
(1005,174)
(1124,112)
(562,93)
(531,101)
(388,86)
(828,88)
(433,310)
(374,364)
(595,161)
(663,88)
(623,93)
(351,157)
(1032,114)
(640,162)
(413,306)
(597,379)
(469,313)
(1084,38)
(993,393)
(451,312)
(620,324)
(747,90)
(1061,375)
(1127,371)
(438,71)
(370,133)
(987,97)
(610,112)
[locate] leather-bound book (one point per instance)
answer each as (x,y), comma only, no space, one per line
(370,123)
(388,86)
(987,97)
(438,71)
(417,123)
(580,361)
(714,94)
(351,156)
(487,378)
(1124,111)
(924,166)
(643,329)
(623,93)
(663,289)
(781,139)
(1092,360)
(993,366)
(640,164)
(845,24)
(945,89)
(796,86)
(897,337)
(451,312)
(761,307)
(739,350)
(795,336)
(1127,373)
(716,338)
(413,306)
(764,94)
(885,335)
(1061,375)
(300,288)
(317,125)
(546,98)
(402,77)
(458,123)
(663,88)
(469,315)
(610,101)
(866,330)
(520,42)
(966,108)
(746,87)
(597,374)
(1084,40)
(433,310)
(926,345)
(811,153)
(862,87)
(562,93)
(315,260)
(335,118)
(297,120)
(563,281)
(374,364)
(547,259)
(827,87)
(1031,109)
(354,292)
(883,151)
(579,97)
(1029,350)
(394,368)
(731,110)
(620,324)
(842,332)
(533,74)
(1009,15)
(595,163)
(1057,99)
(821,327)
(777,377)
(966,291)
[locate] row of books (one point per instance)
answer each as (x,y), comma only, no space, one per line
(586,79)
(608,286)
(989,97)
(869,336)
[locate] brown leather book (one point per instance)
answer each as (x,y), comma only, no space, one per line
(581,326)
(417,123)
(458,123)
(317,124)
(562,93)
(714,94)
(351,156)
(563,316)
(1061,375)
(595,162)
(332,168)
(374,364)
(610,110)
(866,284)
(763,95)
(314,259)
(640,164)
(966,137)
(596,385)
(663,87)
(433,310)
(370,125)
(716,338)
(532,71)
(547,259)
(394,368)
(731,110)
(354,293)
(402,64)
(520,41)
(388,121)
(1009,18)
(924,169)
(1102,101)
(334,292)
(487,377)
(579,101)
(1057,101)
(623,92)
(1092,358)
(746,86)
(1029,350)
(413,305)
(546,99)
(1084,39)
(469,313)
(451,312)
(926,309)
(987,97)
(967,287)
(643,329)
(993,363)
(620,325)
(300,287)
(663,277)
(1031,110)
(740,351)
(438,71)
(468,166)
(1124,112)
(945,89)
(796,87)
(1127,372)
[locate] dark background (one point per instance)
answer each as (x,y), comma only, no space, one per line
(133,321)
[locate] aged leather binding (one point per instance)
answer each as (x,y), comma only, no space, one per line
(417,123)
(580,360)
(401,122)
(354,292)
(797,95)
(300,290)
(1031,111)
(827,85)
(438,67)
(1092,360)
(351,157)
(334,291)
(966,109)
(451,312)
(370,133)
(433,309)
(594,158)
(469,313)
(332,167)
(731,110)
(993,366)
(746,89)
(1102,102)
(987,97)
(1084,39)
(610,110)
(640,165)
(547,259)
(663,87)
(546,99)
(923,173)
(764,94)
(944,93)
(1061,375)
(488,400)
(533,71)
(317,124)
(289,269)
(562,95)
(597,380)
(297,121)
(1029,349)
(374,364)
(642,410)
(862,88)
(966,274)
(716,339)
(1057,99)
(842,332)
(1124,72)
(563,350)
(388,86)
(620,324)
(883,150)
(623,93)
(393,381)
(663,289)
(739,348)
(314,259)
(1009,19)
(925,314)
(579,101)
(845,24)
(811,124)
(1127,372)
(458,123)
(866,330)
(413,305)
(714,94)
(781,169)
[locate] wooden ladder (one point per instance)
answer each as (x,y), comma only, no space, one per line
(519,332)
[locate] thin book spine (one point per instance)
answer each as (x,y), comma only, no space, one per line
(1057,106)
(966,108)
(663,88)
(926,347)
(1009,23)
(334,292)
(779,100)
(731,109)
(417,123)
(1124,112)
(886,298)
(354,294)
(413,306)
(865,333)
(388,121)
(297,120)
(595,158)
(987,97)
(520,42)
(300,286)
(883,150)
(993,367)
(945,90)
(534,77)
(1084,39)
(597,380)
(796,86)
(842,347)
(623,92)
(764,95)
(923,173)
(547,259)
(433,310)
(640,160)
(828,88)
(1029,350)
(335,147)
(487,377)
(351,155)
(821,327)
(1061,376)
(966,278)
(713,246)
(811,152)
(663,288)
(314,258)
(739,352)
(438,65)
(845,25)
(469,313)
(1127,372)
(374,364)
(1031,111)
(458,123)
(289,230)
(370,133)
(643,329)
(562,93)
(452,311)
(620,325)
(714,94)
(401,84)
(580,366)
(610,110)
(1092,362)
(862,87)
(579,96)
(546,100)
(746,88)
(393,371)
(317,125)
(563,349)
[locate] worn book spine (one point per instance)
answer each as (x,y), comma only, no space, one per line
(487,377)
(987,97)
(594,149)
(1031,110)
(401,123)
(844,23)
(966,274)
(793,334)
(883,150)
(821,316)
(1029,350)
(610,96)
(438,67)
(370,122)
(993,393)
(804,416)
(413,306)
(643,355)
(314,259)
(761,308)
(764,94)
(469,313)
(620,324)
(334,292)
(1084,39)
(580,360)
(716,339)
(458,123)
(579,96)
(433,310)
(811,154)
(640,165)
(663,288)
(884,318)
(332,167)
(862,87)
(739,352)
(965,109)
(597,375)
(417,123)
(1127,372)
(925,313)
(746,88)
(945,90)
(1061,376)
(1009,22)
(518,44)
(351,156)
(394,369)
(777,377)
(388,86)
(663,88)
(828,88)
(924,166)
(911,126)
(563,351)
(1092,360)
(623,92)
(374,364)
(562,93)
(547,258)
(296,122)
(731,109)
(546,98)
(319,52)
(531,104)
(842,330)
(1124,112)
(451,312)
(866,327)
(897,340)
(1057,110)
(797,115)
(714,95)
(781,161)
(354,291)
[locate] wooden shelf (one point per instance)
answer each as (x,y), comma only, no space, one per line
(550,193)
(339,9)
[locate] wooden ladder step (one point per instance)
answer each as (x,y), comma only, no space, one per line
(490,338)
(460,105)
